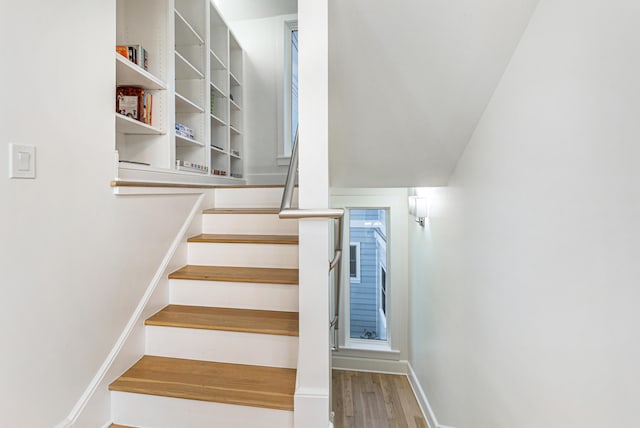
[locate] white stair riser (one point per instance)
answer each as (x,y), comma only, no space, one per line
(249,255)
(256,224)
(150,411)
(239,295)
(250,197)
(253,349)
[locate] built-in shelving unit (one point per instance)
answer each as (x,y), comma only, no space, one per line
(194,74)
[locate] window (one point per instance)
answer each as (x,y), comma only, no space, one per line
(368,273)
(290,104)
(354,262)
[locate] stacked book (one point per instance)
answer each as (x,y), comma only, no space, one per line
(184,131)
(135,102)
(191,166)
(134,53)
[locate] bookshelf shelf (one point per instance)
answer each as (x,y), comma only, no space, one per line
(187,142)
(185,33)
(129,74)
(195,65)
(127,125)
(234,80)
(184,105)
(216,62)
(218,120)
(217,90)
(185,70)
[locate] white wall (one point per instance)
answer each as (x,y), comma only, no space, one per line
(75,259)
(260,31)
(524,285)
(263,42)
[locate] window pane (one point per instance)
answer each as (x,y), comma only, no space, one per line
(368,306)
(294,84)
(353,272)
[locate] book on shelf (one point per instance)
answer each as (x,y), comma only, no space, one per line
(134,53)
(135,102)
(219,172)
(184,131)
(191,166)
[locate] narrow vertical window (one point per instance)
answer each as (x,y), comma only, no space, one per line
(294,84)
(368,274)
(290,104)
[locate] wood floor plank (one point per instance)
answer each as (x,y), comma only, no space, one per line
(227,319)
(209,381)
(237,274)
(241,211)
(377,401)
(245,239)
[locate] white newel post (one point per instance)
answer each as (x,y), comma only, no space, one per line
(314,371)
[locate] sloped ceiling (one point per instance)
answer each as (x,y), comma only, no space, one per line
(409,80)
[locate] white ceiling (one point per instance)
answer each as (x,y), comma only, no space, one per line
(238,10)
(409,80)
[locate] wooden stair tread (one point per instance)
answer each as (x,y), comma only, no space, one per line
(243,385)
(227,319)
(241,211)
(237,274)
(245,239)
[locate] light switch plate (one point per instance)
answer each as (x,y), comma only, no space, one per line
(22,161)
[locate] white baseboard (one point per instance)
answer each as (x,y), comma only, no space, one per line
(135,319)
(423,402)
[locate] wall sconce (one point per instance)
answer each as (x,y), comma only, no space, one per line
(418,209)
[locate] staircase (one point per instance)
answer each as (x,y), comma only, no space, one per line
(224,351)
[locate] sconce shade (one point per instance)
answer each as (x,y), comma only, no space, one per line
(412,205)
(421,210)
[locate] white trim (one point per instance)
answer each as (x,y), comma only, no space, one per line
(423,402)
(283,160)
(373,365)
(66,423)
(135,318)
(136,191)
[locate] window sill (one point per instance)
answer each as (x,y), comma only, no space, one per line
(283,160)
(379,352)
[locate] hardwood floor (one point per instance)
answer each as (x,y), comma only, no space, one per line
(372,400)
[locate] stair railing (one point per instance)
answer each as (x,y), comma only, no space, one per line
(337,214)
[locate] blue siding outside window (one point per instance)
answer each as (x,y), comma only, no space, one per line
(367,226)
